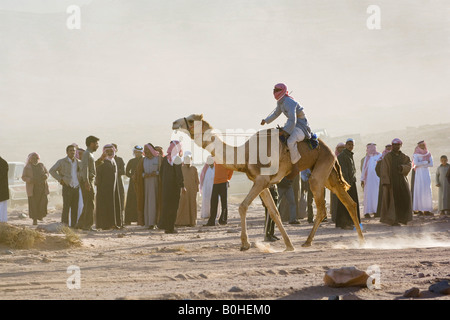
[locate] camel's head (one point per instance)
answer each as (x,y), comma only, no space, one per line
(187,123)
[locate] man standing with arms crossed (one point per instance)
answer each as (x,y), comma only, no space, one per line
(87,178)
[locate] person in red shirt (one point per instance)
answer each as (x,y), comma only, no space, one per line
(221,178)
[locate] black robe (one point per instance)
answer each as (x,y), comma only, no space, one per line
(403,195)
(347,164)
(396,204)
(108,211)
(4,189)
(171,184)
(380,189)
(380,199)
(131,203)
(343,218)
(120,172)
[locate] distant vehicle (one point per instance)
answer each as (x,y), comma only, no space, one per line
(17,189)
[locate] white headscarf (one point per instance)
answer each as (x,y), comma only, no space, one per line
(187,159)
(210,160)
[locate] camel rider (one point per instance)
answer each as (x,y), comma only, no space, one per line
(296,126)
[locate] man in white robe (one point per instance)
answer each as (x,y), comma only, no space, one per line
(206,186)
(422,161)
(370,180)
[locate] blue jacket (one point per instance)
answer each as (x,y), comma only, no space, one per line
(294,112)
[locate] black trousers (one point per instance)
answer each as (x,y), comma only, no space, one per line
(219,190)
(343,218)
(269,225)
(309,200)
(70,202)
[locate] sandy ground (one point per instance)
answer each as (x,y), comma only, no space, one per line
(202,263)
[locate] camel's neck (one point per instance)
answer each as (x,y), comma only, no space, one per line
(222,152)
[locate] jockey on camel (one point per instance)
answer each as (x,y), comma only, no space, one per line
(296,127)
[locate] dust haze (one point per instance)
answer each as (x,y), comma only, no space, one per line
(135,66)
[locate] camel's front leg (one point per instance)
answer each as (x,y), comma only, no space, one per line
(275,215)
(317,181)
(256,189)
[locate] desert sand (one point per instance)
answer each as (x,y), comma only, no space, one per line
(205,263)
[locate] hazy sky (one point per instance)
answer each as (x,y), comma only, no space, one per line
(137,65)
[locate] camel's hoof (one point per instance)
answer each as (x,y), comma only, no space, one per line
(289,249)
(306,244)
(245,247)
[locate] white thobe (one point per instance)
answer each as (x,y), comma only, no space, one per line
(371,183)
(423,200)
(208,182)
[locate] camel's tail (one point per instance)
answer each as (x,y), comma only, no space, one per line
(341,179)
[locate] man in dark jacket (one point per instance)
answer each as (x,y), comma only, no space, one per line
(345,158)
(4,190)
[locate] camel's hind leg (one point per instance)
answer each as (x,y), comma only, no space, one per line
(275,215)
(318,191)
(348,202)
(338,189)
(259,185)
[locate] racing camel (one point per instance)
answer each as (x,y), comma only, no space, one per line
(325,172)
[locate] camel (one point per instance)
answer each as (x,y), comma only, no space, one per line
(325,172)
